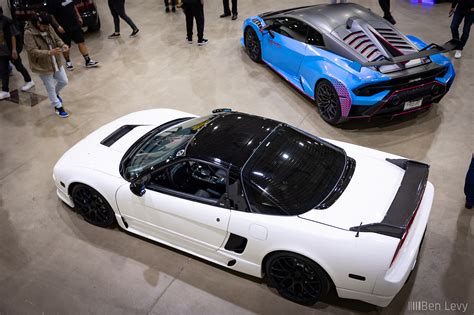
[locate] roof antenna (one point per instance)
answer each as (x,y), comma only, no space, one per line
(358,230)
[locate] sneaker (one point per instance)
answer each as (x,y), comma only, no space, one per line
(27,86)
(114,35)
(61,112)
(234,17)
(59,98)
(167,10)
(92,63)
(189,41)
(173,9)
(224,15)
(4,95)
(69,65)
(134,33)
(458,54)
(390,19)
(202,42)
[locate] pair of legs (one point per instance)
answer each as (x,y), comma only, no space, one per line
(167,4)
(77,36)
(117,9)
(227,10)
(194,11)
(4,62)
(54,83)
(385,6)
(469,185)
(468,18)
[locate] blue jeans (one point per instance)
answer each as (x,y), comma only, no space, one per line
(54,83)
(456,22)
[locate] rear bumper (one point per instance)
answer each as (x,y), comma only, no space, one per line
(393,102)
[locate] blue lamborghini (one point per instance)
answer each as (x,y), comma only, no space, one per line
(350,61)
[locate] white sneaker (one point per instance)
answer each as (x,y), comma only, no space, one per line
(27,86)
(4,95)
(458,54)
(69,65)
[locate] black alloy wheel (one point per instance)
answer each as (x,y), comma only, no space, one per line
(252,44)
(297,278)
(328,102)
(92,206)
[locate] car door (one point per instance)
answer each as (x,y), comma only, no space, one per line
(184,205)
(285,50)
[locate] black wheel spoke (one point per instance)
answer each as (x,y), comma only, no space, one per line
(92,206)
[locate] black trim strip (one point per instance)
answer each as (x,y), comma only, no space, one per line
(117,134)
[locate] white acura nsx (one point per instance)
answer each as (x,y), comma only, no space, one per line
(257,196)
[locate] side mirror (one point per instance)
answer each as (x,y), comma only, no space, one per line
(268,28)
(138,185)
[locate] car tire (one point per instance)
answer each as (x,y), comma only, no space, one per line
(95,27)
(252,44)
(297,278)
(92,206)
(327,101)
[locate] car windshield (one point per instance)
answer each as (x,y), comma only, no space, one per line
(164,146)
(291,173)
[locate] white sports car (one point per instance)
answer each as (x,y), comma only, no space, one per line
(257,196)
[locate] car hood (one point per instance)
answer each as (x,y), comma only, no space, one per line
(94,152)
(368,195)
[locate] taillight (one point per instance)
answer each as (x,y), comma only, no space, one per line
(406,233)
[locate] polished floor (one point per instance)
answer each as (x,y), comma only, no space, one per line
(53,262)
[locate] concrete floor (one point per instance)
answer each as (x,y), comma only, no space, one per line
(53,262)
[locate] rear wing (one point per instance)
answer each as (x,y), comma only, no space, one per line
(403,209)
(431,49)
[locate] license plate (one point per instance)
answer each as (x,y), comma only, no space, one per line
(412,104)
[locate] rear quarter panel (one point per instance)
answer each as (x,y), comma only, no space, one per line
(337,251)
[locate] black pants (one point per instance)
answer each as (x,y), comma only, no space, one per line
(456,22)
(117,8)
(385,6)
(167,3)
(194,11)
(4,61)
(469,184)
(227,9)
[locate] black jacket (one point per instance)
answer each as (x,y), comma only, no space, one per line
(463,6)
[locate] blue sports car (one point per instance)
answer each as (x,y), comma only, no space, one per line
(350,61)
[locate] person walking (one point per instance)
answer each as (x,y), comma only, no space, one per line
(385,6)
(10,48)
(44,48)
(67,21)
(194,9)
(167,6)
(461,10)
(469,185)
(117,9)
(227,10)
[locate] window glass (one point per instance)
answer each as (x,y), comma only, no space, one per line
(193,178)
(314,38)
(291,28)
(165,145)
(291,173)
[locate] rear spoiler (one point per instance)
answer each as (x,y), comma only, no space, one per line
(405,204)
(431,49)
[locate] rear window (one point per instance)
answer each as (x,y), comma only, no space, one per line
(291,173)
